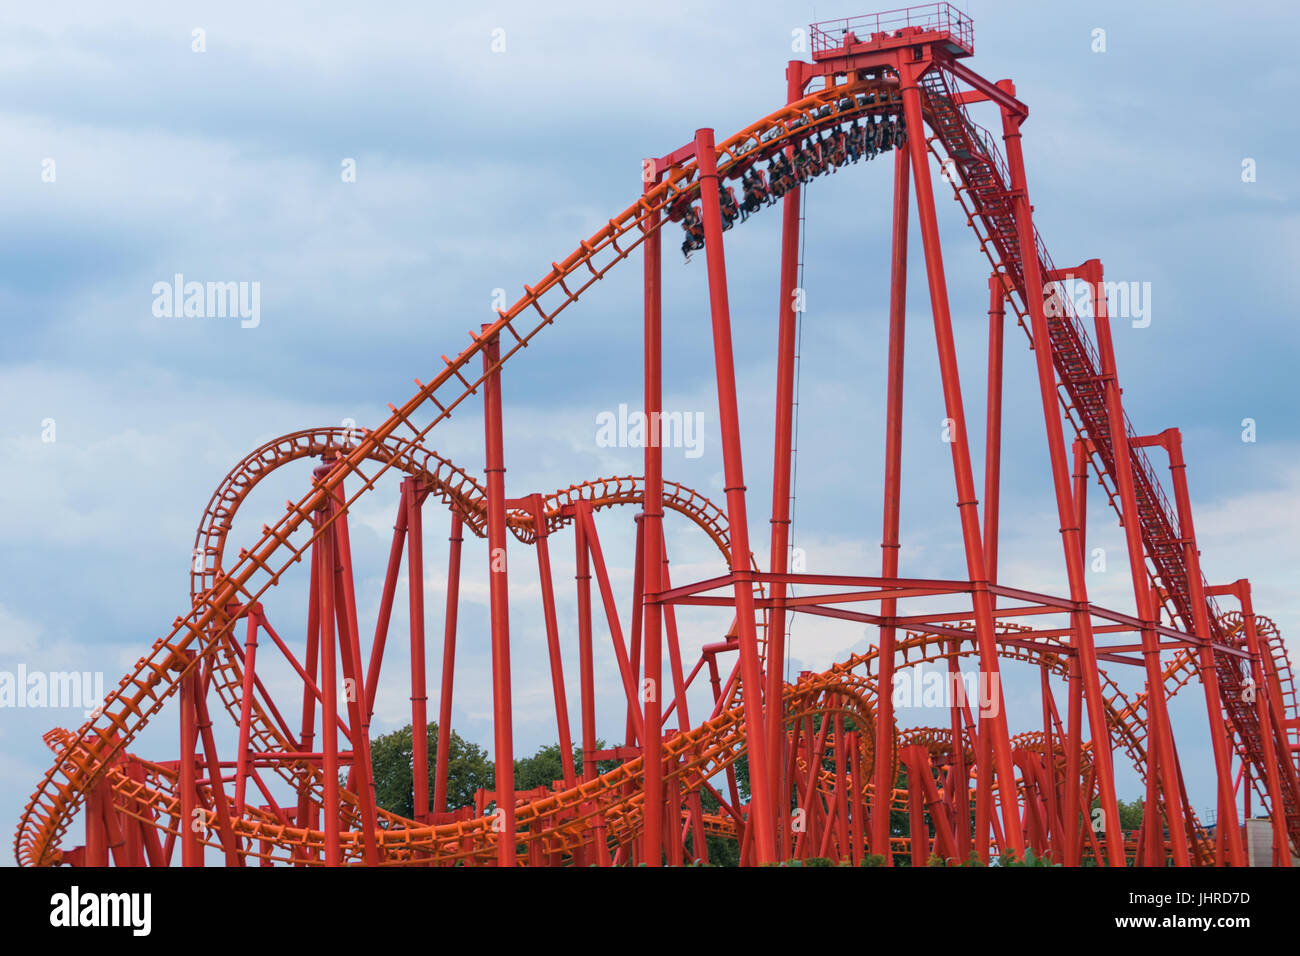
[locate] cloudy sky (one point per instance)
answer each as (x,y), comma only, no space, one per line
(131,156)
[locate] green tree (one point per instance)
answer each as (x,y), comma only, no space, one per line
(468,769)
(392,761)
(722,850)
(1130,812)
(546,766)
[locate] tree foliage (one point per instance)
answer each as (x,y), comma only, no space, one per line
(392,761)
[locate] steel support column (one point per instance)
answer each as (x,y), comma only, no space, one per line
(503,751)
(761,822)
(968,507)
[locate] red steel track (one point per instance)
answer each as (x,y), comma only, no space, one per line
(826,763)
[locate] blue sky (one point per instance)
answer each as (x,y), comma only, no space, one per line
(475,170)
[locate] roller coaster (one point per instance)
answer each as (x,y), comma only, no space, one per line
(814,768)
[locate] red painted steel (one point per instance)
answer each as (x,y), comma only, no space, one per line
(828,766)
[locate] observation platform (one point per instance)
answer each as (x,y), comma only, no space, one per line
(937,23)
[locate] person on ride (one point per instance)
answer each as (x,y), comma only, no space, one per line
(816,149)
(776,177)
(727,203)
(694,230)
(748,201)
(802,160)
(785,177)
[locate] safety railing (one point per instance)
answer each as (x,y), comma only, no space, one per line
(928,17)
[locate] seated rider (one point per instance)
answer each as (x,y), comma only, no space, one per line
(775,180)
(827,148)
(817,158)
(782,177)
(748,201)
(694,229)
(727,204)
(752,195)
(802,160)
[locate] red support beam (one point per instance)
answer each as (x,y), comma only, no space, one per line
(330,806)
(363,779)
(1161,736)
(650,545)
(192,820)
(884,783)
(994,723)
(1226,827)
(419,692)
(455,538)
(761,821)
(503,751)
(782,467)
(1060,470)
(564,735)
